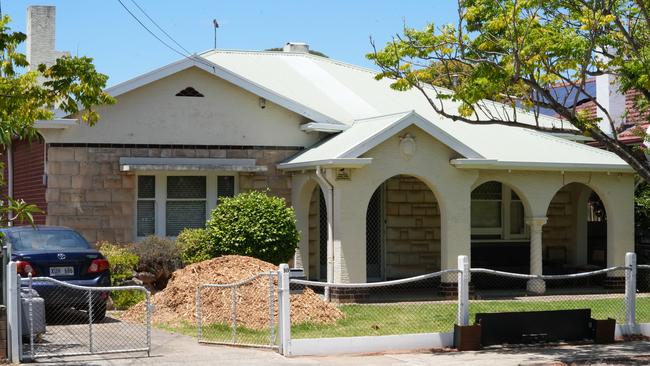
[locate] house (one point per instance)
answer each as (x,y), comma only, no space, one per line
(382,186)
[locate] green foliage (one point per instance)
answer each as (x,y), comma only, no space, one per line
(72,84)
(158,256)
(642,214)
(123,300)
(121,260)
(254,224)
(195,246)
(511,51)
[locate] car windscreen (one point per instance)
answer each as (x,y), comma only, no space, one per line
(43,239)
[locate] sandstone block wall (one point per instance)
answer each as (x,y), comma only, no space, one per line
(87,191)
(412,228)
(560,232)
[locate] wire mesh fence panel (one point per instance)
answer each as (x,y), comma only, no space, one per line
(60,319)
(600,291)
(243,313)
(643,293)
(422,304)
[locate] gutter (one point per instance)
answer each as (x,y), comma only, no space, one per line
(323,127)
(539,166)
(330,229)
(327,163)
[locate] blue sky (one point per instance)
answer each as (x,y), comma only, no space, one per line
(123,49)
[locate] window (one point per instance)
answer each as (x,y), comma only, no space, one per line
(146,205)
(168,203)
(186,203)
(497,213)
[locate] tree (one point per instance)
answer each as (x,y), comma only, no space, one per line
(513,51)
(72,85)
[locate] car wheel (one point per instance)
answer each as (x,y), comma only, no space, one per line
(99,311)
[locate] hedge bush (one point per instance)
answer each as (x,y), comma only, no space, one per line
(195,246)
(121,260)
(254,224)
(158,256)
(122,264)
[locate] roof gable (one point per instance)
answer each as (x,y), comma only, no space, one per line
(348,146)
(222,73)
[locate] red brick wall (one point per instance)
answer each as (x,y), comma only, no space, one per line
(28,164)
(633,115)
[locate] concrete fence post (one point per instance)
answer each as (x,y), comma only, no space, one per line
(284,309)
(13,313)
(630,291)
(463,290)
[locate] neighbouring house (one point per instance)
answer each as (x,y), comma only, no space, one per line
(382,186)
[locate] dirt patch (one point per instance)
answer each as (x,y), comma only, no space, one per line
(177,302)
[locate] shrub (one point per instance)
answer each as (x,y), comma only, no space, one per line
(254,224)
(122,265)
(195,246)
(123,300)
(158,256)
(122,262)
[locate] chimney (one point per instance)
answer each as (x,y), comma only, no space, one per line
(609,96)
(297,47)
(41,24)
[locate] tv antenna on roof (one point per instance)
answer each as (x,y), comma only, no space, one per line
(216,25)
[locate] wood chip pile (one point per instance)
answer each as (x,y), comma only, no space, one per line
(176,303)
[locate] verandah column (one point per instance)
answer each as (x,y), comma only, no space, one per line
(536,259)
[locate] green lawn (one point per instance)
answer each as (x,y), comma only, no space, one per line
(364,320)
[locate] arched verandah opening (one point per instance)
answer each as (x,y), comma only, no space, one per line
(500,236)
(575,236)
(402,230)
(317,236)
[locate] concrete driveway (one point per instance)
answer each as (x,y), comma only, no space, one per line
(174,349)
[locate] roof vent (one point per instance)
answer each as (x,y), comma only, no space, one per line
(298,47)
(189,92)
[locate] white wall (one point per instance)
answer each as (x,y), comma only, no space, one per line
(227,115)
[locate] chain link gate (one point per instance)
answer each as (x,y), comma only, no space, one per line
(242,313)
(71,320)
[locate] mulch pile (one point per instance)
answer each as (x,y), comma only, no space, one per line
(177,302)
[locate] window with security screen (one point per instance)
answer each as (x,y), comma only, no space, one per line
(168,203)
(186,203)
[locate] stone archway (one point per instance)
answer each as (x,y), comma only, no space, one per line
(402,230)
(575,235)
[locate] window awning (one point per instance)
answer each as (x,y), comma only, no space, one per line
(128,164)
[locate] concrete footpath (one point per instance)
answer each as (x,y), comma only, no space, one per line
(174,349)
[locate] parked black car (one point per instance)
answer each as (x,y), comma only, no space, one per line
(63,254)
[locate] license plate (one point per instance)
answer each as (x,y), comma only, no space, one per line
(61,271)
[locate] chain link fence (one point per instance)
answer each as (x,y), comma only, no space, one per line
(421,304)
(62,319)
(643,293)
(600,291)
(243,313)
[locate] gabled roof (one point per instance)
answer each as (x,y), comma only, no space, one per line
(485,151)
(225,74)
(332,93)
(367,133)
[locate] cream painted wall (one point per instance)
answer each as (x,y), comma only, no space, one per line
(537,189)
(452,188)
(227,115)
(430,164)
